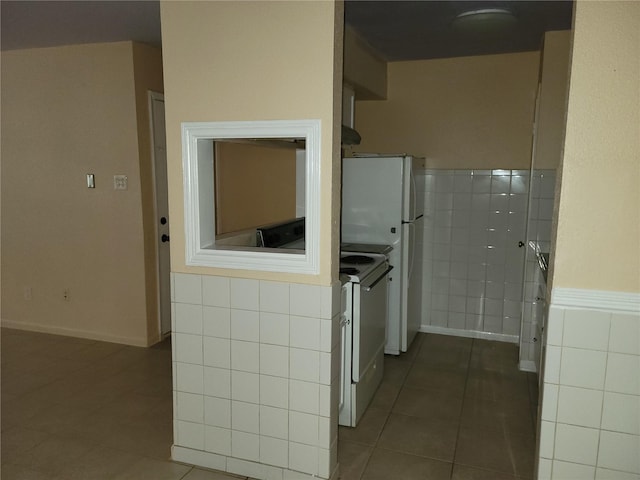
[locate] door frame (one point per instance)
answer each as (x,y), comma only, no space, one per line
(151,97)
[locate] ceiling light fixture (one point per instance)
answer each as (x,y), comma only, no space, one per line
(481,20)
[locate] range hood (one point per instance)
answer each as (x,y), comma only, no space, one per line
(350,136)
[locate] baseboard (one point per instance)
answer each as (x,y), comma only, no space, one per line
(498,337)
(528,366)
(596,299)
(73,332)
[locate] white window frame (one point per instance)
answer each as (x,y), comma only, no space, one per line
(199,197)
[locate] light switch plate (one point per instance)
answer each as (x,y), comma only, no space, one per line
(91,181)
(120,182)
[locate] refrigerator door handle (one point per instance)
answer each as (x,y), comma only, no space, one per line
(414,198)
(412,232)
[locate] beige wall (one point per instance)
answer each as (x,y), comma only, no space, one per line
(147,72)
(66,112)
(254,186)
(224,62)
(598,237)
(468,112)
(554,85)
(364,70)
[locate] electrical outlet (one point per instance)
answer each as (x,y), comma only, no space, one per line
(120,182)
(27,293)
(66,295)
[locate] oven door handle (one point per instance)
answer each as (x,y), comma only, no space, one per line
(369,287)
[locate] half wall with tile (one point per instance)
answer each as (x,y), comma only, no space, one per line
(589,424)
(256,376)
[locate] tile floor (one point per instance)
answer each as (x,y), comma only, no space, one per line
(450,408)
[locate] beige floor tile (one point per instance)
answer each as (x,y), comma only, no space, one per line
(419,436)
(386,465)
(430,404)
(386,395)
(16,472)
(153,469)
(450,380)
(435,355)
(98,464)
(53,454)
(202,474)
(395,369)
(368,429)
(461,472)
(510,415)
(492,450)
(17,440)
(353,459)
(497,387)
(149,440)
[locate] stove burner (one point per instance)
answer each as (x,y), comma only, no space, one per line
(357,259)
(349,270)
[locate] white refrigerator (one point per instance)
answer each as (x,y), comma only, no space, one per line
(381,205)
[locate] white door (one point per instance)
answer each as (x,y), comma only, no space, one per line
(156,109)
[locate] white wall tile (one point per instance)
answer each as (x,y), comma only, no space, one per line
(329,366)
(623,373)
(549,402)
(189,377)
(606,474)
(217,382)
(576,444)
(553,357)
(274,422)
(583,368)
(190,435)
(245,417)
(580,406)
(329,333)
(303,458)
(274,391)
(547,438)
(274,360)
(245,325)
(217,352)
(274,297)
(619,451)
(245,387)
(274,328)
(625,334)
(215,291)
(573,471)
(245,445)
(217,440)
(245,356)
(190,407)
(544,469)
(187,288)
(329,306)
(188,348)
(304,365)
(217,412)
(304,332)
(188,318)
(303,428)
(304,396)
(274,451)
(555,325)
(587,329)
(244,294)
(305,300)
(216,322)
(621,413)
(254,470)
(327,432)
(325,403)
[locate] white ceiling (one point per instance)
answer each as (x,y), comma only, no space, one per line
(397,29)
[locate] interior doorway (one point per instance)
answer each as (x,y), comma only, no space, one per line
(159,159)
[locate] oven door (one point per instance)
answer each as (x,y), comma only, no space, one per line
(369,319)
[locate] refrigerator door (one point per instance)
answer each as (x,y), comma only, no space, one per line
(372,200)
(412,301)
